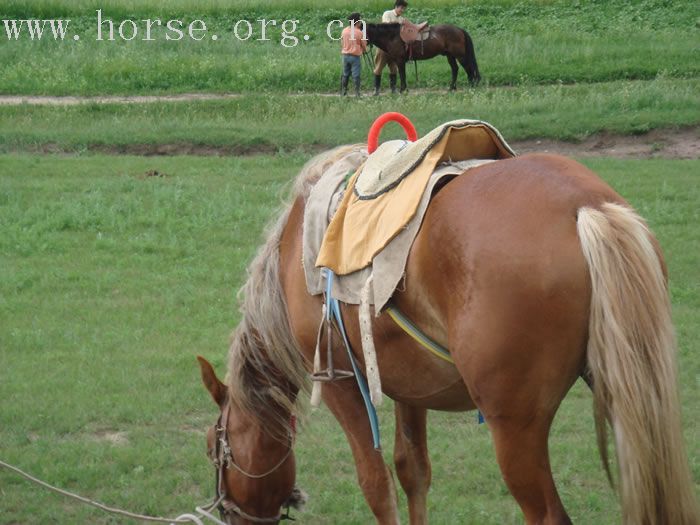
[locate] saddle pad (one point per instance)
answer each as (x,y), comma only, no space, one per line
(387,192)
(454,141)
(389,265)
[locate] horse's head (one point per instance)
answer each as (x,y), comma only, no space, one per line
(255,468)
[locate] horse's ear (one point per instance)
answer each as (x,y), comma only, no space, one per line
(216,388)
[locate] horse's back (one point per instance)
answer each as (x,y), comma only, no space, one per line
(516,214)
(515,211)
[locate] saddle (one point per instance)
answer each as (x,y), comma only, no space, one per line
(384,195)
(411,32)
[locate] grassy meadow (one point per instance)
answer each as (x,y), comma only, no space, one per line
(111,281)
(263,123)
(118,266)
(540,42)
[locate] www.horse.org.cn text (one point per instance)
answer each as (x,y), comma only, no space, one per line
(286,32)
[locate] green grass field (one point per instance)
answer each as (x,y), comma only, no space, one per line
(545,42)
(112,281)
(282,123)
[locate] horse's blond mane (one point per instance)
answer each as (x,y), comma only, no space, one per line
(266,368)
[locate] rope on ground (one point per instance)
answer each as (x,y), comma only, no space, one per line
(204,512)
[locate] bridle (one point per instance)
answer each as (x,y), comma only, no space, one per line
(223,460)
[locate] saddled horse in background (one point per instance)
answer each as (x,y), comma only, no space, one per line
(445,39)
(533,272)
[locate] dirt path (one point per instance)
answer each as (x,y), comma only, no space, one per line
(38,100)
(41,100)
(661,143)
(681,143)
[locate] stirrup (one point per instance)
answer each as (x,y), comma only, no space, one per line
(330,373)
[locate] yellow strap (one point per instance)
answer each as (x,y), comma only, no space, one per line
(422,339)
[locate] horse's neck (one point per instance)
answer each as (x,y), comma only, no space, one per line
(263,428)
(383,39)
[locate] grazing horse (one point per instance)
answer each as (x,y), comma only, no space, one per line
(533,272)
(445,39)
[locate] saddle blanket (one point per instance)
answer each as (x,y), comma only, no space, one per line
(388,266)
(385,196)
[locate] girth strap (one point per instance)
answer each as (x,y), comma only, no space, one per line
(426,342)
(422,339)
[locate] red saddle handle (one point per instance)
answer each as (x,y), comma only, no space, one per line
(382,120)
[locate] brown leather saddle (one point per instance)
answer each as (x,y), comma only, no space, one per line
(411,32)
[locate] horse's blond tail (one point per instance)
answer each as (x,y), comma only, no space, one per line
(631,360)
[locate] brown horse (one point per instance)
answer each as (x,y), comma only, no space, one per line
(533,272)
(445,39)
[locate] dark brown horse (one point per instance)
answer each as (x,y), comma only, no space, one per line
(533,272)
(445,39)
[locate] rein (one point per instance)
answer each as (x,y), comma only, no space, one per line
(224,460)
(201,513)
(369,57)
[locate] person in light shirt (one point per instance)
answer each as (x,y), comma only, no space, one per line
(392,16)
(395,16)
(353,45)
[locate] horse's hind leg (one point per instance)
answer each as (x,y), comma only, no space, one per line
(374,477)
(470,70)
(521,450)
(411,459)
(518,363)
(455,69)
(518,387)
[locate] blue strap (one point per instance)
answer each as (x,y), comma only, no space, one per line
(333,311)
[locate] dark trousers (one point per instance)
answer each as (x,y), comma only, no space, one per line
(352,66)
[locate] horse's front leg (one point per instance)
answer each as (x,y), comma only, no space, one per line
(412,460)
(402,74)
(375,479)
